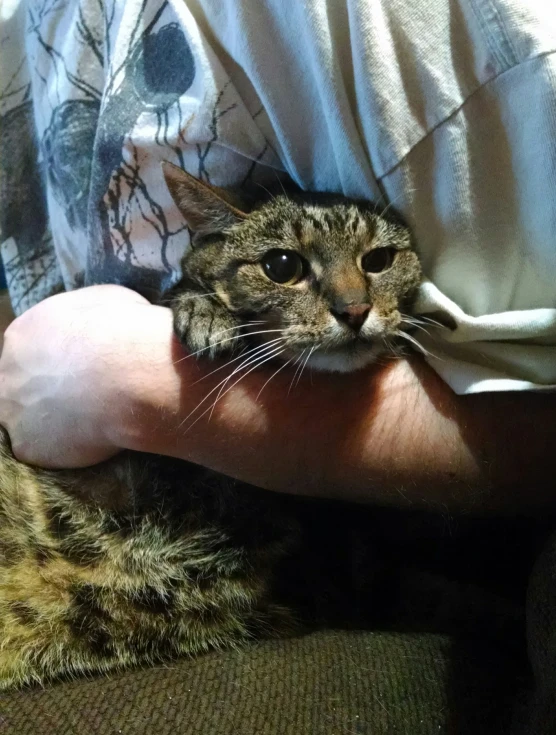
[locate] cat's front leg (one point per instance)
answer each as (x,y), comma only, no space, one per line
(204,325)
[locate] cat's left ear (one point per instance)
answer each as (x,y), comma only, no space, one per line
(205,208)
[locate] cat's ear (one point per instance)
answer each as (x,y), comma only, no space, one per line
(205,208)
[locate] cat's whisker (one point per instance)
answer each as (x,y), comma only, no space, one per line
(417,344)
(273,376)
(313,348)
(422,323)
(414,325)
(261,359)
(280,182)
(433,322)
(237,326)
(264,331)
(397,348)
(298,363)
(255,367)
(223,341)
(379,201)
(216,387)
(413,341)
(387,346)
(423,320)
(204,349)
(391,204)
(267,191)
(251,360)
(235,359)
(419,323)
(198,296)
(263,352)
(393,349)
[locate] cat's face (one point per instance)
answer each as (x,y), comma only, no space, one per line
(330,274)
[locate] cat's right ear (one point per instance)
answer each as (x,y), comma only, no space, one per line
(205,208)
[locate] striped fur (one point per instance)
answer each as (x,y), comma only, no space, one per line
(144,558)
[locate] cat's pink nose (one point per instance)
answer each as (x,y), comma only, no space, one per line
(353,315)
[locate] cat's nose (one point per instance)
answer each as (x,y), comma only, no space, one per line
(353,315)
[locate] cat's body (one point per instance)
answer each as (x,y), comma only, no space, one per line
(145,557)
(138,559)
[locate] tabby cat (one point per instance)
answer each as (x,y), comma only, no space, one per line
(143,557)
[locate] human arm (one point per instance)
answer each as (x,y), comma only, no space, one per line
(394,435)
(87,373)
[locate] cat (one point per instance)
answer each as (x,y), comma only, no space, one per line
(328,275)
(143,558)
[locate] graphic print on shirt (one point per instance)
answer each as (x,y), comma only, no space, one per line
(114,99)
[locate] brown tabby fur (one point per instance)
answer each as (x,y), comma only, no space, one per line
(143,558)
(331,234)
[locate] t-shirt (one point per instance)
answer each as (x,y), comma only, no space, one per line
(444,110)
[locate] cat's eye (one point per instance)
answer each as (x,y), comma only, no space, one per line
(378,260)
(283,266)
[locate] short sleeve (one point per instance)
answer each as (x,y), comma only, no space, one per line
(483,211)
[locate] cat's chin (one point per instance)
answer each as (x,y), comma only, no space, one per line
(345,361)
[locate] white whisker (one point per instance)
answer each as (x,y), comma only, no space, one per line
(417,344)
(263,331)
(253,359)
(223,341)
(434,323)
(197,296)
(267,191)
(304,364)
(280,182)
(395,350)
(389,206)
(298,363)
(255,364)
(255,367)
(415,325)
(235,359)
(423,320)
(273,376)
(237,326)
(246,363)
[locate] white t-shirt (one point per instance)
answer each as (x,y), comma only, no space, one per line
(445,110)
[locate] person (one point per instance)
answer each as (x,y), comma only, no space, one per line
(444,110)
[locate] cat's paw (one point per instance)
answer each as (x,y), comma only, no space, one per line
(204,326)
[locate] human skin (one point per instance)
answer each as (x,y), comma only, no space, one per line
(87,373)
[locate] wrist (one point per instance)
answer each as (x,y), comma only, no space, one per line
(146,392)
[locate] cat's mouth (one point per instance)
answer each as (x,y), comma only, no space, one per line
(353,355)
(354,344)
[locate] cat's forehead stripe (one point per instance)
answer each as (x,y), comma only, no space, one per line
(305,228)
(361,225)
(352,220)
(316,218)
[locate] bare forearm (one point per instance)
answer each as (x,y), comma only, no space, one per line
(394,435)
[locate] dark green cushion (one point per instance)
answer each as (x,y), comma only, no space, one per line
(325,683)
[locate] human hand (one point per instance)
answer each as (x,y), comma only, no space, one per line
(64,373)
